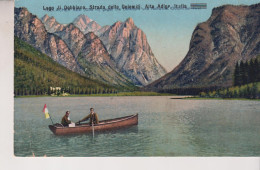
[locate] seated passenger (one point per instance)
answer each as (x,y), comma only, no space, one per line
(65,121)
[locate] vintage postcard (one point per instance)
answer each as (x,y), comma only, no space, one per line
(118,78)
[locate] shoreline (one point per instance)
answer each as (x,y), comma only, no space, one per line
(215,98)
(104,95)
(122,94)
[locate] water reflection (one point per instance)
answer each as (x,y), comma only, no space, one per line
(166,127)
(223,130)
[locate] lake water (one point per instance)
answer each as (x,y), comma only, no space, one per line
(167,127)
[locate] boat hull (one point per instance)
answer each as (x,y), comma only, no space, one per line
(104,125)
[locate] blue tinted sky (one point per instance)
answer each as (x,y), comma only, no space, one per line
(168,32)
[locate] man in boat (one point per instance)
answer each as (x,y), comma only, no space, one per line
(65,121)
(92,116)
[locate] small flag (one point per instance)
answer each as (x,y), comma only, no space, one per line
(45,110)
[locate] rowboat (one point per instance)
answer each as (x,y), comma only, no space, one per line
(103,125)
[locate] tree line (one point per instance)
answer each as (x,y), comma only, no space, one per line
(187,91)
(247,72)
(250,91)
(69,90)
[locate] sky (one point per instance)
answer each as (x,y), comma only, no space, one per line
(168,31)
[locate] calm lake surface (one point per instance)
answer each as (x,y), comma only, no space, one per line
(167,127)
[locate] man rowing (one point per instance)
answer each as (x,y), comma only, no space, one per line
(92,116)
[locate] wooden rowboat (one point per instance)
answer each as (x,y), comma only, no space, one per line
(103,125)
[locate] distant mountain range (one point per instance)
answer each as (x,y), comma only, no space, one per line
(117,55)
(230,35)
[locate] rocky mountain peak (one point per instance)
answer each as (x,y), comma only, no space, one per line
(129,47)
(83,18)
(29,27)
(22,11)
(129,22)
(117,24)
(85,24)
(51,24)
(45,18)
(228,14)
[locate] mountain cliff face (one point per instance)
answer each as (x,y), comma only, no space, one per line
(126,43)
(231,34)
(129,47)
(73,37)
(67,45)
(94,51)
(31,30)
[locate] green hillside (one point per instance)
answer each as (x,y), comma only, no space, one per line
(35,73)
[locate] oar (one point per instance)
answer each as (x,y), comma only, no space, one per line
(93,128)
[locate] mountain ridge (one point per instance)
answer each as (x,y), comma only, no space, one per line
(137,62)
